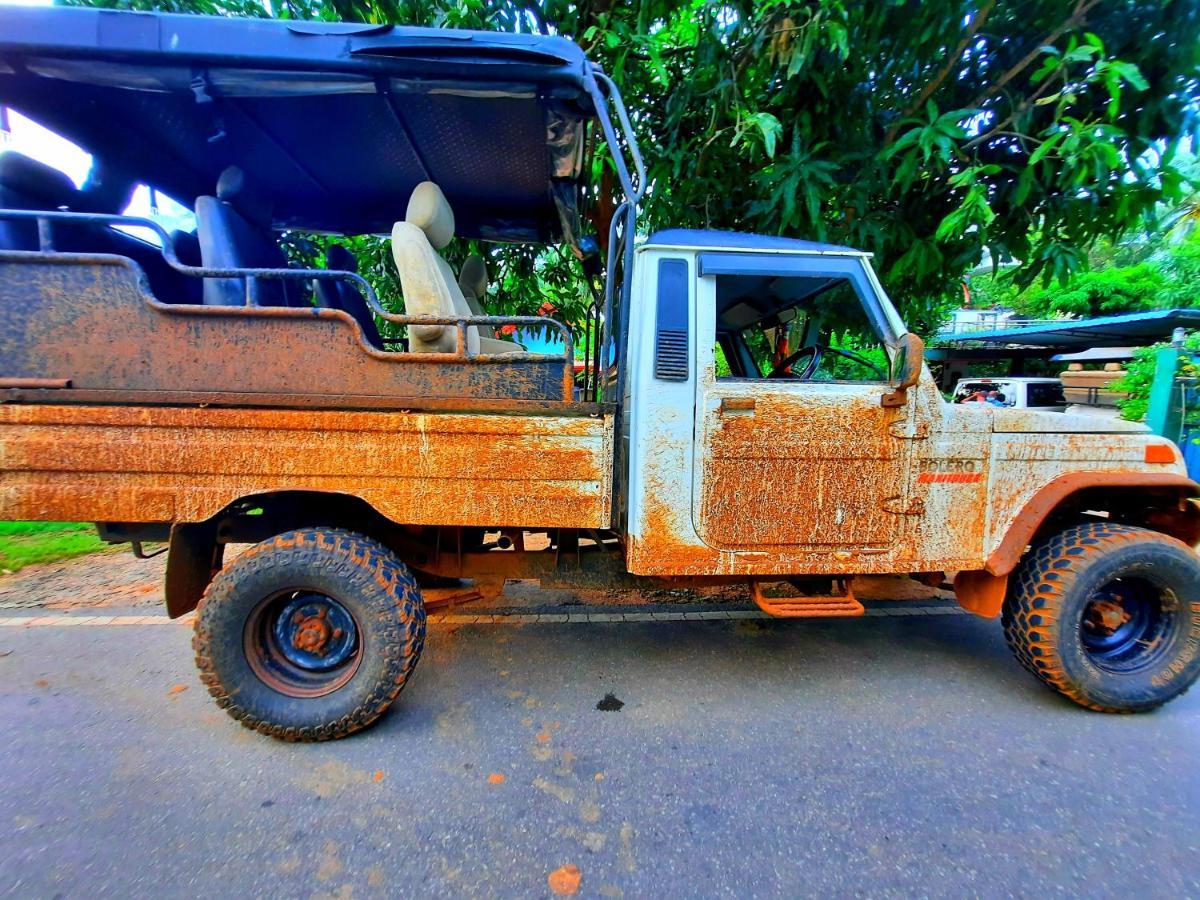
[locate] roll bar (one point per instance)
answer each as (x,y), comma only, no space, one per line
(605,95)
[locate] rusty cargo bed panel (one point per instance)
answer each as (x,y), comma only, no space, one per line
(89,326)
(167,464)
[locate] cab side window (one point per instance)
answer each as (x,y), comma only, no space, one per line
(809,328)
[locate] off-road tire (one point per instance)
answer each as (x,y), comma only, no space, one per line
(360,573)
(1052,587)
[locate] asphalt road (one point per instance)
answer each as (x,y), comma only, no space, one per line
(879,756)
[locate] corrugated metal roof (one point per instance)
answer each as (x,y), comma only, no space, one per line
(1108,331)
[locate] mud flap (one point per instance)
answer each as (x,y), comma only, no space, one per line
(193,557)
(981,593)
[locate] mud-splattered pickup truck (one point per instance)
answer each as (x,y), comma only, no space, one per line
(733,408)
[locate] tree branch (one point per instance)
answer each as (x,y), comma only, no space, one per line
(943,73)
(1082,8)
(1010,118)
(666,53)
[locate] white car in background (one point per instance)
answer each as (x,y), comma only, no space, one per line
(1044,394)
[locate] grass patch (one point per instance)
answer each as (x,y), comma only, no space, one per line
(26,543)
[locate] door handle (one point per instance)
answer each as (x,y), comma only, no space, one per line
(736,405)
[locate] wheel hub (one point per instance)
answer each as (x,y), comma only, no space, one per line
(314,633)
(1106,616)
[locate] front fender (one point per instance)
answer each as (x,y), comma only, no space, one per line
(1183,523)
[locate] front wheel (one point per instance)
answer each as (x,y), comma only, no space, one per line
(310,635)
(1108,615)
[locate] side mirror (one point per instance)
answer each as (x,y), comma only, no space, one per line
(906,369)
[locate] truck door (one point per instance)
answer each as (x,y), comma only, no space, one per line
(794,448)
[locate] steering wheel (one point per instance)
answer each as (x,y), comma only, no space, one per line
(810,368)
(818,352)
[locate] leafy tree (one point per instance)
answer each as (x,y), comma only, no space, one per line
(1101,292)
(1166,276)
(1139,378)
(924,132)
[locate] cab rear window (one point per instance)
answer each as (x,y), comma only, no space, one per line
(1045,394)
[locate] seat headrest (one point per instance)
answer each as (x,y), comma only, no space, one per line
(107,189)
(429,211)
(36,180)
(473,279)
(338,257)
(234,189)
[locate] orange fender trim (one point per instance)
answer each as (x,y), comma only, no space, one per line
(1005,557)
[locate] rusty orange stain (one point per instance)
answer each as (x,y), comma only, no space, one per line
(565,880)
(138,332)
(956,505)
(177,689)
(542,737)
(825,483)
(378,776)
(496,778)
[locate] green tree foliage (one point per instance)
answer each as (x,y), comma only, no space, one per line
(1139,378)
(1155,274)
(924,132)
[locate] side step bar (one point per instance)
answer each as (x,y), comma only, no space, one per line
(841,603)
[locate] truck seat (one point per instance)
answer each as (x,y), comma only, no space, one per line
(345,296)
(107,190)
(234,229)
(428,283)
(29,185)
(187,250)
(473,282)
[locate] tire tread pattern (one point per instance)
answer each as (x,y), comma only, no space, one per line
(404,621)
(1036,590)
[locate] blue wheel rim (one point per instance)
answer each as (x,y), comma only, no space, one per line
(303,643)
(315,632)
(1126,625)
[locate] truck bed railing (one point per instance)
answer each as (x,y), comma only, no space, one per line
(46,220)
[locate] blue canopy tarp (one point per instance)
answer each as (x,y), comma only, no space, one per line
(335,122)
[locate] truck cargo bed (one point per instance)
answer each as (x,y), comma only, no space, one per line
(177,464)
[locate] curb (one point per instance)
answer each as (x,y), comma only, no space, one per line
(574,618)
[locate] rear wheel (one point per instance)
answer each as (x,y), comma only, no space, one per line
(1108,615)
(311,635)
